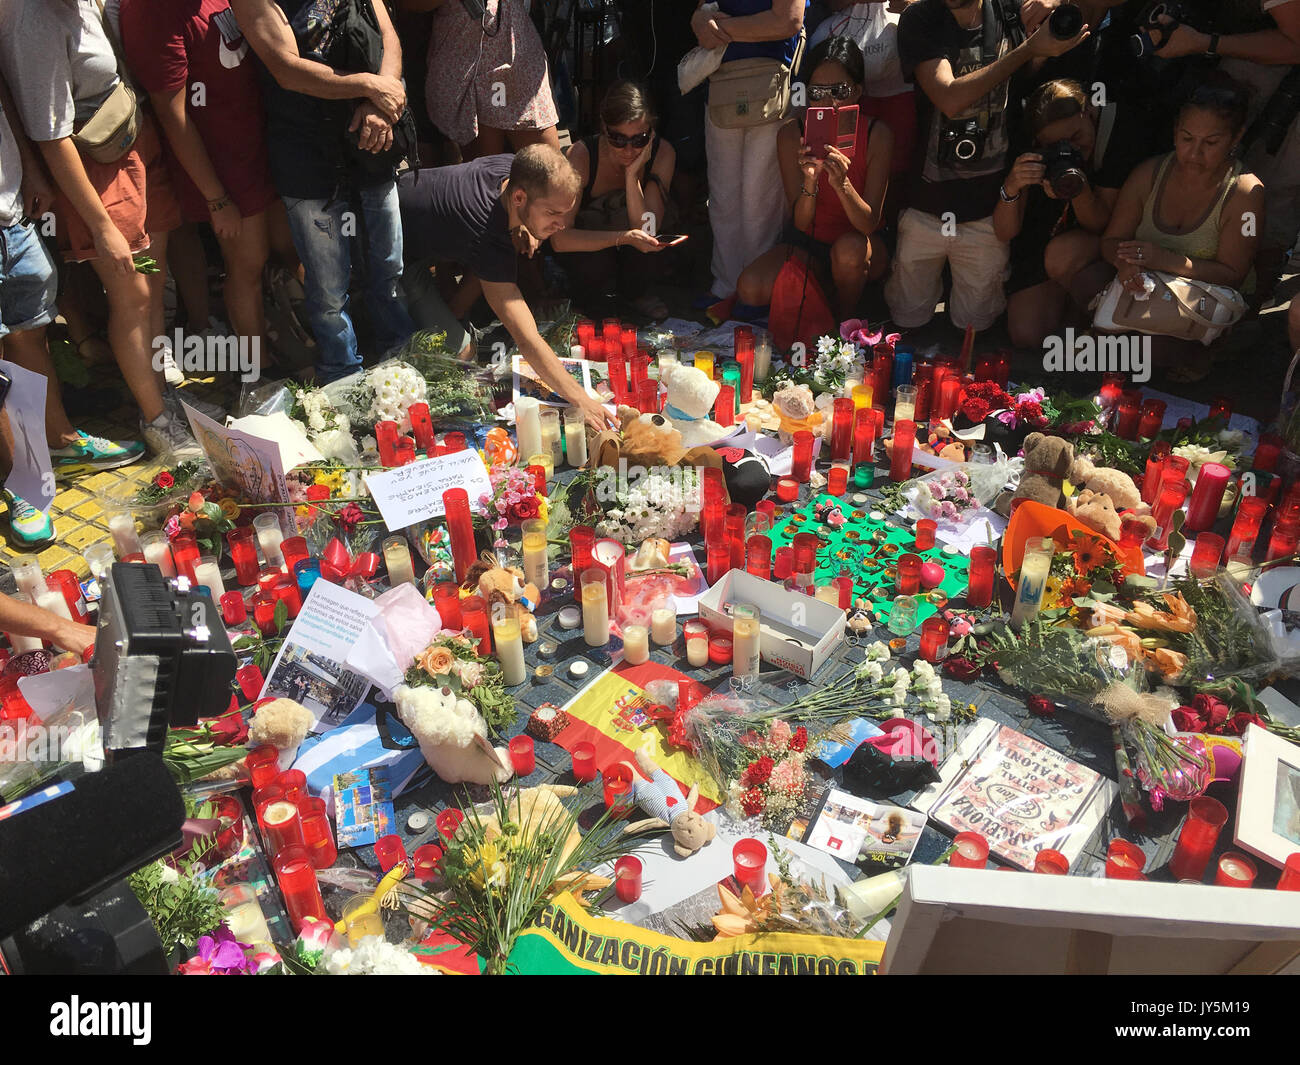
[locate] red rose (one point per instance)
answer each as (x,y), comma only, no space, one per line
(1214,712)
(525,510)
(1187,720)
(800,739)
(752,802)
(164,480)
(1241,721)
(349,516)
(758,772)
(958,667)
(230,729)
(1040,707)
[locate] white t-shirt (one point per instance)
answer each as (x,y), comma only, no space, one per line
(11,175)
(58,62)
(875,29)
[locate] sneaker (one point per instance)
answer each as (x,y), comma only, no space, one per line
(28,527)
(171,372)
(172,398)
(89,454)
(168,435)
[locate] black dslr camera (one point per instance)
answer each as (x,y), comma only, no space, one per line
(1152,33)
(1064,169)
(961,140)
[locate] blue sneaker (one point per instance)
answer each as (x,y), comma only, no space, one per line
(28,527)
(90,454)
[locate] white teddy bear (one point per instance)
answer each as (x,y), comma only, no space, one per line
(691,394)
(452,735)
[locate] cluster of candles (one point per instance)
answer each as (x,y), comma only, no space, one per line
(60,593)
(1133,418)
(297,830)
(548,438)
(396,449)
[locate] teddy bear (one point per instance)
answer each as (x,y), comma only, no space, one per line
(796,409)
(1110,482)
(647,441)
(452,735)
(283,724)
(505,590)
(689,399)
(658,794)
(1096,510)
(1048,462)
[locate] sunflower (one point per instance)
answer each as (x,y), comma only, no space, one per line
(1052,591)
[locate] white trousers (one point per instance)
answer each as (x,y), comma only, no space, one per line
(746,199)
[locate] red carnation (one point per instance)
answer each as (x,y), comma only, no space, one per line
(799,740)
(758,772)
(959,667)
(752,802)
(164,480)
(349,516)
(525,509)
(1040,707)
(1031,411)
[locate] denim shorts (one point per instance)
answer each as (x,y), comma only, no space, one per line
(28,281)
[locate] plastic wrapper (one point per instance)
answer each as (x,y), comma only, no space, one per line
(32,750)
(960,485)
(267,398)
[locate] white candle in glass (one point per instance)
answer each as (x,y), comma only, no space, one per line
(744,640)
(595,609)
(762,355)
(28,576)
(697,644)
(636,644)
(98,559)
(207,572)
(553,436)
(535,548)
(663,625)
(25,643)
(528,426)
(575,436)
(397,558)
(52,600)
(125,539)
(158,551)
(510,650)
(269,538)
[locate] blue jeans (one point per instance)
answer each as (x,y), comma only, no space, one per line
(28,281)
(324,232)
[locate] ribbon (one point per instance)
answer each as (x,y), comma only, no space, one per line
(337,564)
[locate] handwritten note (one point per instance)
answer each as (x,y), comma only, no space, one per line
(414,493)
(247,462)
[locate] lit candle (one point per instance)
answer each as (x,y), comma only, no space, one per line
(696,634)
(535,548)
(595,608)
(158,551)
(528,426)
(269,538)
(122,527)
(510,650)
(663,625)
(704,361)
(636,644)
(207,571)
(575,436)
(543,459)
(551,436)
(745,640)
(397,558)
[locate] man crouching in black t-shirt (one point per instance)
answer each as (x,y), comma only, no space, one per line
(481,215)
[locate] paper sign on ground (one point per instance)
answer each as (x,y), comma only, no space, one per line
(246,462)
(309,668)
(295,448)
(32,476)
(413,492)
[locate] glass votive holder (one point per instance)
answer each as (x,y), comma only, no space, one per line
(1206,554)
(627,878)
(449,821)
(934,639)
(1235,870)
(425,862)
(720,647)
(1200,832)
(1290,878)
(902,617)
(522,756)
(263,765)
(233,609)
(1052,863)
(617,787)
(864,475)
(1124,860)
(294,550)
(389,851)
(584,762)
(837,480)
(749,862)
(925,530)
(787,489)
(971,851)
(909,574)
(306,573)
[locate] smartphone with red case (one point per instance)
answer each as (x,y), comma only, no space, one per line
(824,126)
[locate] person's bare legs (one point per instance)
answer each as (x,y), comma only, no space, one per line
(1035,312)
(756,281)
(488,142)
(131,333)
(189,269)
(28,348)
(80,303)
(855,260)
(279,238)
(521,138)
(245,256)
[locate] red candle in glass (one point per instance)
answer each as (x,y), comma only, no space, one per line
(522,756)
(719,559)
(972,851)
(1205,555)
(713,484)
(787,489)
(749,863)
(900,466)
(1284,540)
(596,350)
(979,590)
(389,851)
(758,556)
(283,824)
(250,680)
(640,364)
(805,556)
(539,478)
(268,579)
(294,550)
(1052,863)
(263,765)
(616,783)
(985,370)
(934,639)
(1110,394)
(724,408)
(1129,414)
(746,360)
(1205,820)
(298,885)
(453,442)
(264,613)
(1156,458)
(286,592)
(446,600)
(628,340)
(782,563)
(720,648)
(1245,527)
(1290,878)
(242,541)
(742,338)
(837,480)
(845,585)
(1235,870)
(316,833)
(421,426)
(864,436)
(766,506)
(923,379)
(611,330)
(425,862)
(909,574)
(949,392)
(386,433)
(842,430)
(1221,408)
(449,822)
(925,530)
(713,523)
(647,396)
(185,552)
(882,375)
(801,463)
(405,451)
(582,538)
(1002,369)
(1170,499)
(617,370)
(1124,860)
(584,762)
(585,329)
(1153,416)
(1266,456)
(265,796)
(627,878)
(461,528)
(1174,470)
(293,783)
(474,617)
(1206,497)
(233,610)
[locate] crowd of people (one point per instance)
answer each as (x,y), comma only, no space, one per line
(997,157)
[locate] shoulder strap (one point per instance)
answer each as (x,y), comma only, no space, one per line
(592,144)
(113,44)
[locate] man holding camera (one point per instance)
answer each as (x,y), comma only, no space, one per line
(962,54)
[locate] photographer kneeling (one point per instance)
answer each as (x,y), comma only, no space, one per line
(1053,207)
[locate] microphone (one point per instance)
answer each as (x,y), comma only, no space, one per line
(104,826)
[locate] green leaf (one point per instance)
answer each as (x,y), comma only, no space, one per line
(281,615)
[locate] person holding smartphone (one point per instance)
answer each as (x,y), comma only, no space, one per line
(835,200)
(625,171)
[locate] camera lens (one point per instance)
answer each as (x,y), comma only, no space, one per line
(964,149)
(1068,184)
(1065,22)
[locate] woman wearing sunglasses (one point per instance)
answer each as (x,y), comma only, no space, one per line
(626,171)
(835,201)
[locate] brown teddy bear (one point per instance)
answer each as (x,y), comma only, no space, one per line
(1048,461)
(647,440)
(1096,511)
(1110,482)
(507,589)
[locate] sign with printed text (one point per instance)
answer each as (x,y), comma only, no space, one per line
(413,493)
(32,475)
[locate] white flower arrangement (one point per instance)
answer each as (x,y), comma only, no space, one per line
(373,956)
(396,386)
(1197,456)
(877,652)
(663,504)
(836,359)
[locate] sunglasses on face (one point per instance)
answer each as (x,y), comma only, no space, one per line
(841,90)
(622,140)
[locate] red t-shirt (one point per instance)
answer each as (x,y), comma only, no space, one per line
(830,221)
(178,46)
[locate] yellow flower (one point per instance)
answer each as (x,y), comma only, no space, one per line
(486,867)
(332,479)
(229,508)
(543,511)
(304,514)
(435,660)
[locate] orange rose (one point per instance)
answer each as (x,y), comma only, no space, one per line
(435,661)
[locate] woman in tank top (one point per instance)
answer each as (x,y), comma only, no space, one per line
(1193,212)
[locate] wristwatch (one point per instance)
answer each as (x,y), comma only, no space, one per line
(1212,51)
(1002,195)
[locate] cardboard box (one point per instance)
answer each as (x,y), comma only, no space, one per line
(798,632)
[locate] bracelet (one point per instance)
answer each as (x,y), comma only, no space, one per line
(1002,195)
(217,205)
(804,192)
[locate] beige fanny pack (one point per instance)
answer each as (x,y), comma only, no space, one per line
(111,131)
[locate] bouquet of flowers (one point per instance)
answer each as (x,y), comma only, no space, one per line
(772,783)
(451,661)
(395,387)
(179,481)
(836,358)
(943,496)
(327,428)
(514,498)
(662,505)
(209,514)
(454,390)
